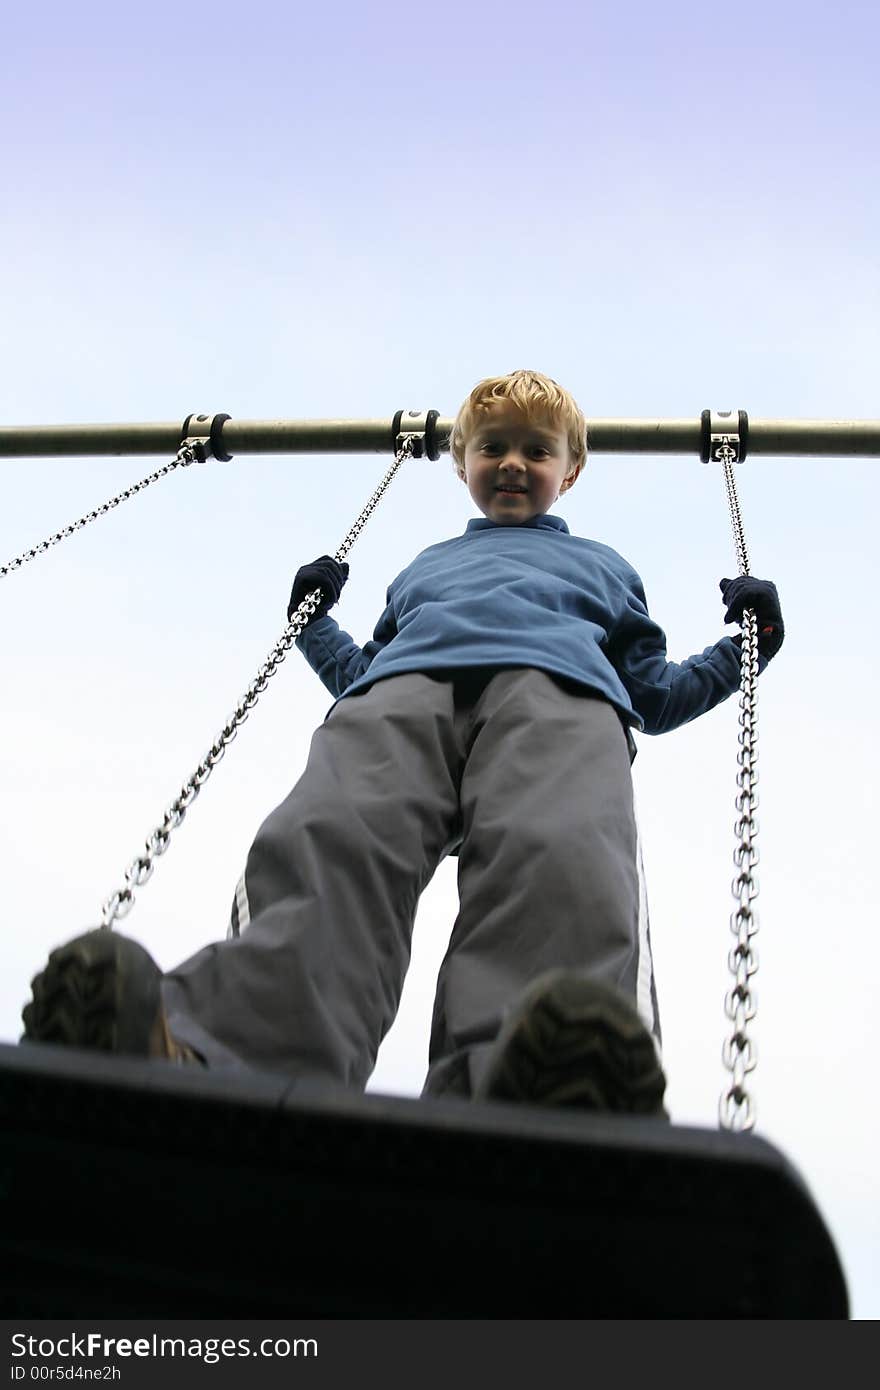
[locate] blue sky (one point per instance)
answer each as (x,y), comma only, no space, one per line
(279,213)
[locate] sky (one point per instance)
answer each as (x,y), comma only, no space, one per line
(277,211)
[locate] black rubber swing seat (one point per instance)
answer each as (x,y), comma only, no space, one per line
(133,1188)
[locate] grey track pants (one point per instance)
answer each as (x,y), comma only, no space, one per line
(530,778)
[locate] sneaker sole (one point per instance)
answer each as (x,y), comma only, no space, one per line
(98,991)
(575,1042)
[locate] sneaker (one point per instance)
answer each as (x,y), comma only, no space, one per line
(575,1042)
(102,991)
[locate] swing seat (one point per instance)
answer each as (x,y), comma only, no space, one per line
(138,1189)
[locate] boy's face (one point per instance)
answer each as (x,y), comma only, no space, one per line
(515,469)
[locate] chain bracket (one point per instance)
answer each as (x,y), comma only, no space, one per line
(724,436)
(421,427)
(202,434)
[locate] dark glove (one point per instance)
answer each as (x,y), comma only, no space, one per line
(325,574)
(760,594)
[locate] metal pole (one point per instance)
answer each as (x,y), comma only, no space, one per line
(794,438)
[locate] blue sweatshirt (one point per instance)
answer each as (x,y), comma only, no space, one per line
(530,595)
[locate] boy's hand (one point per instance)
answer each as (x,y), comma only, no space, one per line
(325,574)
(760,594)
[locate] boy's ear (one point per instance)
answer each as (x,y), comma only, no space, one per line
(571,478)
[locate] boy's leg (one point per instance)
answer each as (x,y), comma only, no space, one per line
(332,882)
(548,868)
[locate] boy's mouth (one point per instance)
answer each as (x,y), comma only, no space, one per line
(509,487)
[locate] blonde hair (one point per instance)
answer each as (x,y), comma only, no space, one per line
(537,396)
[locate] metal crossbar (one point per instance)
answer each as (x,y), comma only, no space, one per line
(827,438)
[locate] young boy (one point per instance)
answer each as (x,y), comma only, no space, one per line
(489,715)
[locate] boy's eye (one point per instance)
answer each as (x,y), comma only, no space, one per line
(535,449)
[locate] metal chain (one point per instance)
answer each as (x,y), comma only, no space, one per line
(725,454)
(186,455)
(404,452)
(736,1107)
(140,870)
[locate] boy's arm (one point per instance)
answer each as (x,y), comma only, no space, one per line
(335,656)
(667,693)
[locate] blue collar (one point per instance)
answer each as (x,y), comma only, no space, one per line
(542,522)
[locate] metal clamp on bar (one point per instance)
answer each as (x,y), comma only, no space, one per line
(420,424)
(202,434)
(722,437)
